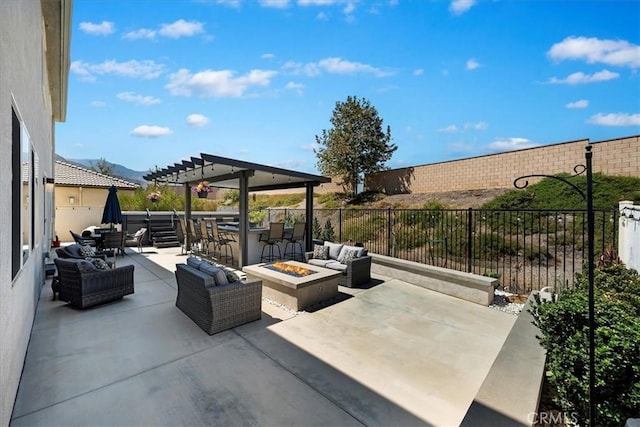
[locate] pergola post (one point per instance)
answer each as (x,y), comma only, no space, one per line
(309,216)
(243,217)
(187,215)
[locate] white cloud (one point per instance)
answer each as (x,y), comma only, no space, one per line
(449,129)
(216,84)
(511,144)
(476,126)
(142,33)
(583,103)
(135,69)
(581,78)
(615,119)
(458,7)
(137,98)
(181,28)
(197,120)
(268,56)
(298,87)
(97,104)
(466,127)
(333,65)
(102,29)
(276,4)
(472,64)
(418,72)
(594,50)
(322,16)
(147,131)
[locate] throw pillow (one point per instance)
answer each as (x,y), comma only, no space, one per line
(360,251)
(232,276)
(86,250)
(99,263)
(347,255)
(320,252)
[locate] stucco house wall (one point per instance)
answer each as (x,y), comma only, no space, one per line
(34,41)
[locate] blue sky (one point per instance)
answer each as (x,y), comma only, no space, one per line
(155,82)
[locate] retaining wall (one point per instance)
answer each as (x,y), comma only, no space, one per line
(612,157)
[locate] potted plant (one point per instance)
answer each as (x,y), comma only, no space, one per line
(256,218)
(202,189)
(154,197)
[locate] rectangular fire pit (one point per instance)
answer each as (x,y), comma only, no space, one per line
(292,289)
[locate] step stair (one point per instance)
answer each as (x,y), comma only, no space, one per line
(162,233)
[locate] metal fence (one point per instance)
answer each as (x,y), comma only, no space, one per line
(525,249)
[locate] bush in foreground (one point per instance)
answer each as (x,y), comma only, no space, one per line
(564,324)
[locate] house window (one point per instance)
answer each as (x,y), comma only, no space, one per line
(22,194)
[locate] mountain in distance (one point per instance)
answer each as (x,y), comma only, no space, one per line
(119,171)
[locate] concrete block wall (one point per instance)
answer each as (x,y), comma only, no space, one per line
(612,157)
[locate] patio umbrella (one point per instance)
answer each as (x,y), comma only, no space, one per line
(112,213)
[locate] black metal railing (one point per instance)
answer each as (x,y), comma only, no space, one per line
(525,249)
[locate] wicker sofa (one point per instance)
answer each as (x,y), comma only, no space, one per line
(355,266)
(83,285)
(215,308)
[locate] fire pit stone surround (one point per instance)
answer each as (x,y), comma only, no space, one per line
(295,292)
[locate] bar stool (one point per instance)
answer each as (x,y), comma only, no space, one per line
(294,240)
(271,240)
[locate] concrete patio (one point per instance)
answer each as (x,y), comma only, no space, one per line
(392,354)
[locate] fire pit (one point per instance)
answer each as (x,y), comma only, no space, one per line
(293,285)
(290,269)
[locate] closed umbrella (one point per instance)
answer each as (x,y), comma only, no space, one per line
(112,213)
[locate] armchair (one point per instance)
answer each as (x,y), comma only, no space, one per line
(73,251)
(83,285)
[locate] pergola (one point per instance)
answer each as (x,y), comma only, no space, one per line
(244,176)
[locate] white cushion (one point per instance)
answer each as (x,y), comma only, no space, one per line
(320,262)
(335,265)
(334,249)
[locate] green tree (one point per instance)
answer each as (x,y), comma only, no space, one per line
(102,166)
(328,233)
(356,145)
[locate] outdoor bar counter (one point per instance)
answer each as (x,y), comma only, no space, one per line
(254,249)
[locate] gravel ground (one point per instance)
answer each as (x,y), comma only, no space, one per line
(501,302)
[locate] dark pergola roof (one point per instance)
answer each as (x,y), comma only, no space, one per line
(223,172)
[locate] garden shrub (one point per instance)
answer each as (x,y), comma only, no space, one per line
(564,324)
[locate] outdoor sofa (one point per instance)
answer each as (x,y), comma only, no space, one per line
(215,298)
(352,261)
(85,282)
